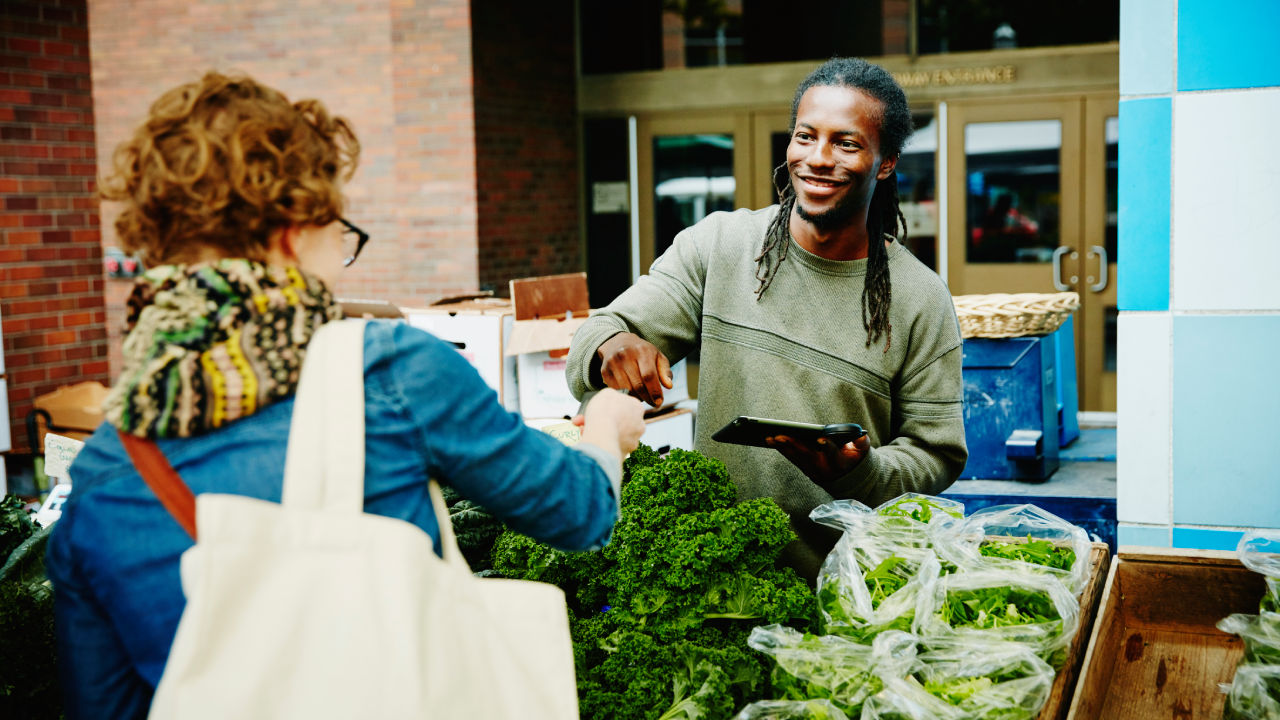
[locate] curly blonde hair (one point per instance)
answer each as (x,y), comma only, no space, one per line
(223,163)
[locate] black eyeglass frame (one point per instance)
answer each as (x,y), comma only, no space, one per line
(363,237)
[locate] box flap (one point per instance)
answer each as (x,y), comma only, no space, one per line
(478,306)
(552,296)
(529,336)
(77,407)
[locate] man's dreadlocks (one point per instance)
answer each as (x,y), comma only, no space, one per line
(883,216)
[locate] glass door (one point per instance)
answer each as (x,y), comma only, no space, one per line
(1098,294)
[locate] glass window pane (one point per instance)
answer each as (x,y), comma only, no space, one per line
(1113,207)
(1014,183)
(916,185)
(692,177)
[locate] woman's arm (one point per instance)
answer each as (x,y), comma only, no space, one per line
(533,482)
(97,675)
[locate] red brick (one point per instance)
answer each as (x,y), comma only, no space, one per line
(25,377)
(59,48)
(45,64)
(84,102)
(27,341)
(93,300)
(84,352)
(64,371)
(73,253)
(48,322)
(59,202)
(21,203)
(48,133)
(64,151)
(41,254)
(74,135)
(15,133)
(13,327)
(61,338)
(28,80)
(71,220)
(56,82)
(76,319)
(24,308)
(87,236)
(37,289)
(64,117)
(86,169)
(7,114)
(93,334)
(36,220)
(10,255)
(22,238)
(20,168)
(75,33)
(52,169)
(37,152)
(37,186)
(24,45)
(42,30)
(55,236)
(8,185)
(75,66)
(94,368)
(47,356)
(46,99)
(22,9)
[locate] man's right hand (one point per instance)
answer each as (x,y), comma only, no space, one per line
(629,362)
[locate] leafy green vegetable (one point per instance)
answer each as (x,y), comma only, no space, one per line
(687,575)
(28,650)
(1037,552)
(882,581)
(995,607)
(917,508)
(1271,600)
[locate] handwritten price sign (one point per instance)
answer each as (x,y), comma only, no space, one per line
(59,453)
(565,432)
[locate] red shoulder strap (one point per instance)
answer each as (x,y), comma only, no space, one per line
(163,480)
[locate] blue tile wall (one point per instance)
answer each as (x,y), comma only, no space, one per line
(1143,535)
(1146,126)
(1202,539)
(1226,390)
(1146,47)
(1225,44)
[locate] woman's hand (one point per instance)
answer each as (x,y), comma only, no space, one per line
(613,421)
(826,462)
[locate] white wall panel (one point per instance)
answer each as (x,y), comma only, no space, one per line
(1226,200)
(1144,408)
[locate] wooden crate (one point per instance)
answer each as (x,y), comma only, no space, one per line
(1154,651)
(1064,684)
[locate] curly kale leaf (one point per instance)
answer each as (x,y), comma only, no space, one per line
(476,530)
(684,482)
(16,525)
(642,457)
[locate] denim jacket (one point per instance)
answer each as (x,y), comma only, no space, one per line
(114,555)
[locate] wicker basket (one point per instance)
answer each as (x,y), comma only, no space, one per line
(1004,316)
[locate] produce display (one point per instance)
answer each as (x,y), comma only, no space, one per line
(475,529)
(1254,693)
(979,611)
(28,651)
(661,616)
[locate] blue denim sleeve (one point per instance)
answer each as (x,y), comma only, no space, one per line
(533,482)
(97,675)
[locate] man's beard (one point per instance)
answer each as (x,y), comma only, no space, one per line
(832,219)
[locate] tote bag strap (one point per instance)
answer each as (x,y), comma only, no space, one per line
(324,466)
(164,481)
(448,542)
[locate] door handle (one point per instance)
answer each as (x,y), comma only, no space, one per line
(1057,269)
(1101,252)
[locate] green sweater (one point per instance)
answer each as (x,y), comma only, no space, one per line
(798,353)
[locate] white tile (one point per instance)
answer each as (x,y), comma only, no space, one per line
(1226,212)
(1143,412)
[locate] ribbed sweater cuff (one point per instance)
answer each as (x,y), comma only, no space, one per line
(858,483)
(591,336)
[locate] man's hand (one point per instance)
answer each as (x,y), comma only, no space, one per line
(629,362)
(825,462)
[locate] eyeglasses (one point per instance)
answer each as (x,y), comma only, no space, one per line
(353,240)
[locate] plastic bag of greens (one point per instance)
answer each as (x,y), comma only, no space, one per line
(905,699)
(994,681)
(810,667)
(866,588)
(1261,635)
(791,710)
(1034,538)
(924,509)
(1259,550)
(1000,605)
(1254,693)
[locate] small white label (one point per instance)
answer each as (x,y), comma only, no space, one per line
(610,197)
(59,453)
(52,508)
(565,432)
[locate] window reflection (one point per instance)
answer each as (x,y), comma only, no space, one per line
(916,185)
(693,177)
(1013,179)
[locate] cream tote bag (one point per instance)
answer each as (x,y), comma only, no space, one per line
(312,609)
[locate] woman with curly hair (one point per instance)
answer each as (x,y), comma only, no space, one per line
(232,195)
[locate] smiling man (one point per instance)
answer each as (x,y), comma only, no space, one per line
(808,311)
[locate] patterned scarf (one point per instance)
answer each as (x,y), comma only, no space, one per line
(210,343)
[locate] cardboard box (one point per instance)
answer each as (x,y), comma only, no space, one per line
(669,429)
(1155,651)
(480,329)
(75,411)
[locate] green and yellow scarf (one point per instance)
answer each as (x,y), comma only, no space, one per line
(210,343)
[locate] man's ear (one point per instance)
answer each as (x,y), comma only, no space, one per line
(887,167)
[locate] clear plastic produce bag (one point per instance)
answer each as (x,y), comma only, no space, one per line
(926,509)
(905,699)
(1259,550)
(791,710)
(1254,693)
(1261,635)
(1000,605)
(993,681)
(866,588)
(810,667)
(1037,540)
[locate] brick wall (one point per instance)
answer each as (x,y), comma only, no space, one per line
(401,72)
(526,139)
(51,286)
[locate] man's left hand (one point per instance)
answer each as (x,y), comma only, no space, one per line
(824,462)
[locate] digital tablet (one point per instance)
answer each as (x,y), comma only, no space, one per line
(753,431)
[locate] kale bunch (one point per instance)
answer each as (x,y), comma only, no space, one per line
(660,617)
(28,650)
(475,529)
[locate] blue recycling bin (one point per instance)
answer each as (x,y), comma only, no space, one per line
(1011,408)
